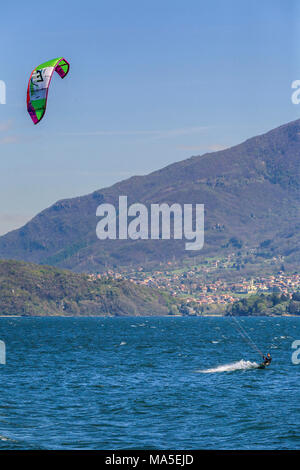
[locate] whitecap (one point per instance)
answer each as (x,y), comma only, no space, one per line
(239,365)
(4,438)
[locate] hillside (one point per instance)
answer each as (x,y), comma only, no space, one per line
(262,304)
(28,289)
(251,194)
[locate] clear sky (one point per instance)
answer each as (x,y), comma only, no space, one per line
(150,83)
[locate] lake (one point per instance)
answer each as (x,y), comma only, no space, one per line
(148,383)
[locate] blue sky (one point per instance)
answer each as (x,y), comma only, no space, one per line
(151,83)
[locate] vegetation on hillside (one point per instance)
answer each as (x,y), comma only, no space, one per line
(272,304)
(29,289)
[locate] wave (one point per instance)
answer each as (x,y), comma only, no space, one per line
(239,365)
(4,438)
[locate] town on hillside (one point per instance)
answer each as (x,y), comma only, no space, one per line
(210,285)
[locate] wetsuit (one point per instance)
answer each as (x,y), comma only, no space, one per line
(267,360)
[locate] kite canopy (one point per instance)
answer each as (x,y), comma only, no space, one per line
(38,86)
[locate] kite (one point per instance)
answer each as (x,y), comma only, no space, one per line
(37,91)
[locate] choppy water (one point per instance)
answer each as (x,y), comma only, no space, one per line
(147,383)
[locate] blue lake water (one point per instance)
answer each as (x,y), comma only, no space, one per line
(143,383)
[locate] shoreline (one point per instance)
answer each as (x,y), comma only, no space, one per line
(215,315)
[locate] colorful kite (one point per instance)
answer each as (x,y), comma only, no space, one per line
(38,86)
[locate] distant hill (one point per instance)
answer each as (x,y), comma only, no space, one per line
(262,304)
(29,289)
(251,194)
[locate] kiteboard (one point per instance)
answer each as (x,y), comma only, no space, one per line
(263,365)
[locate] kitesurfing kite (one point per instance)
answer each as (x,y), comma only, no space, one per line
(37,91)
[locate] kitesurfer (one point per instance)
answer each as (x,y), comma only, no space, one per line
(267,359)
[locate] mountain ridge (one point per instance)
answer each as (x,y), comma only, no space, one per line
(251,193)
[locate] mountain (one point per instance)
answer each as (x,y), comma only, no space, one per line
(251,194)
(29,289)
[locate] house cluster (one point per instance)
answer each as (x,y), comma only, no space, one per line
(192,286)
